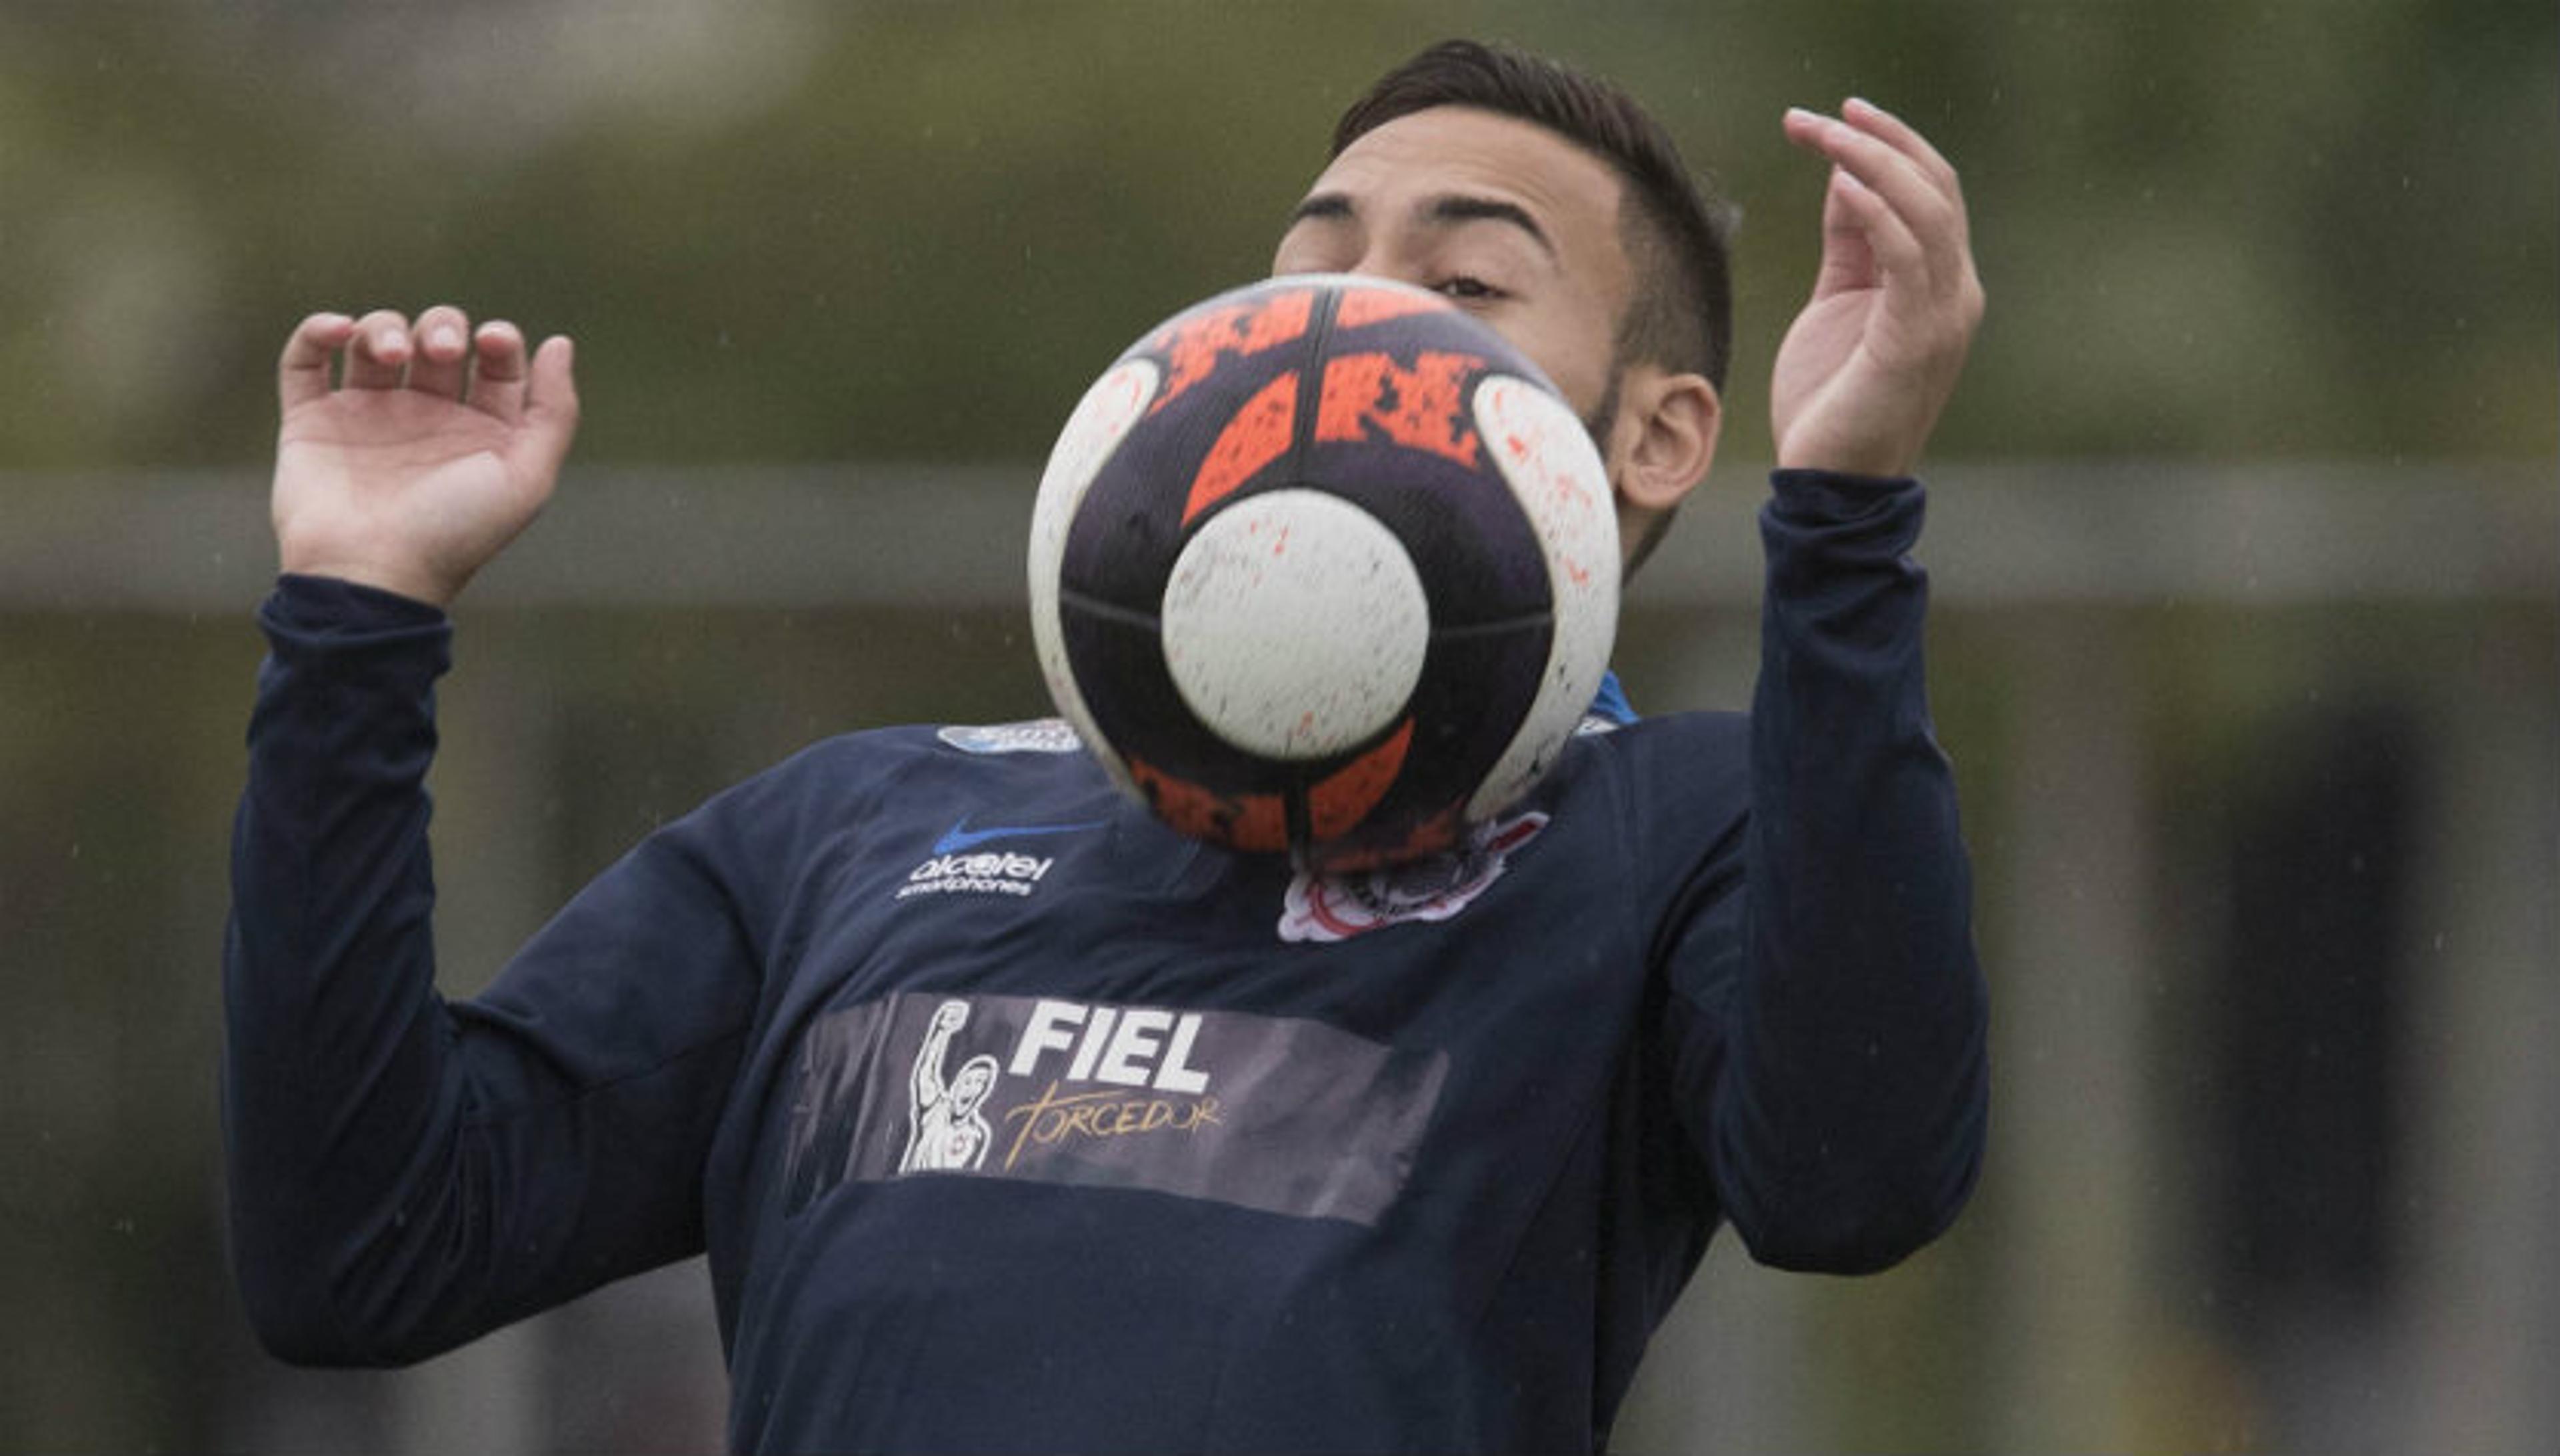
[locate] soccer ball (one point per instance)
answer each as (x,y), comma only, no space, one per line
(1323,566)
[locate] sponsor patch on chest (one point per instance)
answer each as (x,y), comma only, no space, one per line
(966,860)
(1285,1115)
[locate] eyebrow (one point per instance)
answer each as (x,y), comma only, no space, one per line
(1447,210)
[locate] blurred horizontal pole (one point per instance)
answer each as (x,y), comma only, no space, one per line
(815,538)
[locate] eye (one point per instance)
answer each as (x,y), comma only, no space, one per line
(1467,289)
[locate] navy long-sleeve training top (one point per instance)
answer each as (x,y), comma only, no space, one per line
(1012,1120)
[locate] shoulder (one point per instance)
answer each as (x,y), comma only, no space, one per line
(1669,773)
(1706,751)
(861,773)
(1673,783)
(1700,728)
(1040,748)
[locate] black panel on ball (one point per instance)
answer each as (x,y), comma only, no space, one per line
(1476,688)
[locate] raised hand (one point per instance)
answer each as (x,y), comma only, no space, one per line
(1870,362)
(435,449)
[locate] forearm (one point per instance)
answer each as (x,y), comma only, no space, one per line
(1854,1096)
(405,1176)
(924,1081)
(336,1044)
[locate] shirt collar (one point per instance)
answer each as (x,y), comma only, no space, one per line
(1612,702)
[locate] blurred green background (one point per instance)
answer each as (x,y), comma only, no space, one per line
(2244,532)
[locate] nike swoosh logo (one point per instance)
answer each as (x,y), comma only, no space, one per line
(960,836)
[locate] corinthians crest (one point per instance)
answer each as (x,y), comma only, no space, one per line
(1324,908)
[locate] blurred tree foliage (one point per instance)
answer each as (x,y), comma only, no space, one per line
(797,232)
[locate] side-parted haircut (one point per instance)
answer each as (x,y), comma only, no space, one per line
(1676,226)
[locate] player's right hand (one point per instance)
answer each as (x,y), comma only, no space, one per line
(438,443)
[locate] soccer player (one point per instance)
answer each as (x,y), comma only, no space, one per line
(1254,1158)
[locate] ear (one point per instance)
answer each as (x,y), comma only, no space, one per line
(1665,430)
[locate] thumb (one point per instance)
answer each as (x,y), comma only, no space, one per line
(550,403)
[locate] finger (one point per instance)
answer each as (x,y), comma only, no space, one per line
(1940,174)
(1807,129)
(497,378)
(1872,226)
(302,374)
(378,352)
(1872,159)
(441,351)
(1906,188)
(550,401)
(1874,120)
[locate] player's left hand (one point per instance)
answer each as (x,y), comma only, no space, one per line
(1870,362)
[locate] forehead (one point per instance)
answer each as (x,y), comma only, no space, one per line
(1445,151)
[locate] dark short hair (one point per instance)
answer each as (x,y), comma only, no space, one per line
(1674,229)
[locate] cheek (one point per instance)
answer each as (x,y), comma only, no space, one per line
(1577,356)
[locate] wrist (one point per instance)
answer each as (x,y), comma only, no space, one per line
(403,579)
(1875,460)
